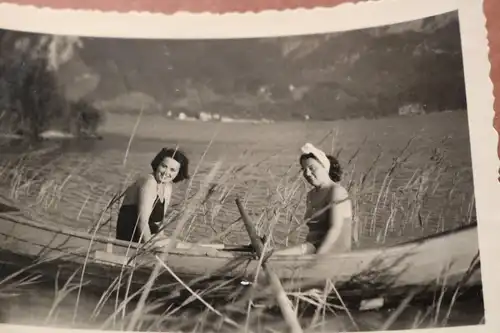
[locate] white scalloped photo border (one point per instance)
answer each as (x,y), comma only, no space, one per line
(185,25)
(272,23)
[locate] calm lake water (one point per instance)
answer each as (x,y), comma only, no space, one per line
(430,189)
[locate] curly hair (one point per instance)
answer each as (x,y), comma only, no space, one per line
(177,155)
(335,171)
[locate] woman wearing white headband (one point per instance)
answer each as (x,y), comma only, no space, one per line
(328,212)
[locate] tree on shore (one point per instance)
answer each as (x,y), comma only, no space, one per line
(31,99)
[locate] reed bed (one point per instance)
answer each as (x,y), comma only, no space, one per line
(396,196)
(393,200)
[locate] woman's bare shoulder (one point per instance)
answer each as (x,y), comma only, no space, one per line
(146,181)
(339,192)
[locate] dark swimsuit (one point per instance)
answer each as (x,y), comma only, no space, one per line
(319,226)
(129,216)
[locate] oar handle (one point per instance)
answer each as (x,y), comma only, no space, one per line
(252,233)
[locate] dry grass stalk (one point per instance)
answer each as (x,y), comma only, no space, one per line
(196,295)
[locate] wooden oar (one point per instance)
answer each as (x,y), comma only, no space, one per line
(219,247)
(283,301)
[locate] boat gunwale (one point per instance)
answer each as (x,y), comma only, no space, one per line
(221,254)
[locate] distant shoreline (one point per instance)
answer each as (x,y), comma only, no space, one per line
(151,126)
(119,127)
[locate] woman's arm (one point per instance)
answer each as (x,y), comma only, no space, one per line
(146,201)
(339,213)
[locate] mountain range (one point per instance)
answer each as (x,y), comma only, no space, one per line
(373,72)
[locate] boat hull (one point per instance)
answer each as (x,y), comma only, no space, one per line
(449,259)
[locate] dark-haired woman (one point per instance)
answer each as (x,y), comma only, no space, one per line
(146,201)
(328,210)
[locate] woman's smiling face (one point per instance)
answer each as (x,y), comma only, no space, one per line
(314,172)
(167,170)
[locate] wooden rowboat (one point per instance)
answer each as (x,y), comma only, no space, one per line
(448,259)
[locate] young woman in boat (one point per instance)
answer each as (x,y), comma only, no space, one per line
(328,209)
(146,201)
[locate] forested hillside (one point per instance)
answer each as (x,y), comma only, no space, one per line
(365,73)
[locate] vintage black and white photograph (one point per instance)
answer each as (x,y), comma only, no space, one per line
(305,183)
